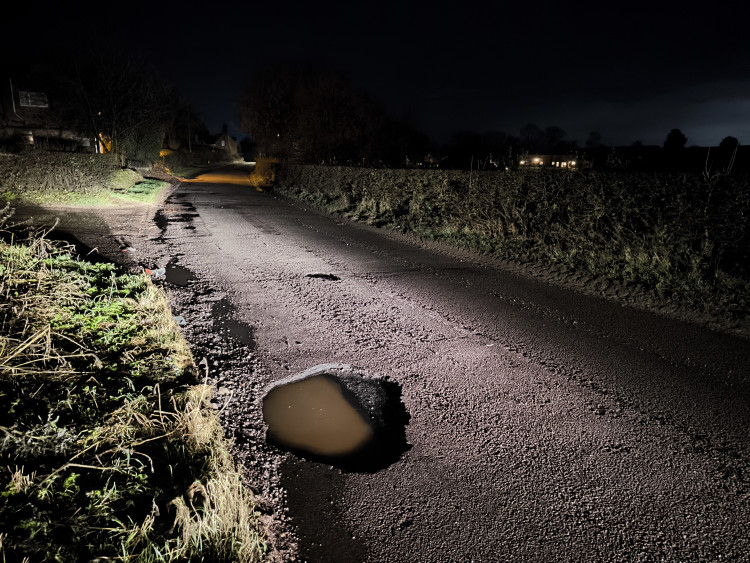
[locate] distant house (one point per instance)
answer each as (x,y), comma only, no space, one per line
(26,118)
(567,161)
(227,144)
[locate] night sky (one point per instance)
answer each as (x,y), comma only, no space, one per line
(631,71)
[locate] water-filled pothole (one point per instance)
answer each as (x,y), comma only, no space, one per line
(221,312)
(178,275)
(161,221)
(313,415)
(338,415)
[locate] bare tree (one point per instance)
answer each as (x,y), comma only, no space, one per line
(310,113)
(126,103)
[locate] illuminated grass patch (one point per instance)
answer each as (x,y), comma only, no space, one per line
(109,448)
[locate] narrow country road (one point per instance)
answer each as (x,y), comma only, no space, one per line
(545,425)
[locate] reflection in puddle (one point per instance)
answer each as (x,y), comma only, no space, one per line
(313,415)
(336,414)
(238,176)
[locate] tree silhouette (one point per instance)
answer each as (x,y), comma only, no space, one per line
(114,95)
(553,139)
(729,144)
(530,136)
(310,113)
(727,153)
(675,141)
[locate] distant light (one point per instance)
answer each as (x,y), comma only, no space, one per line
(572,162)
(523,162)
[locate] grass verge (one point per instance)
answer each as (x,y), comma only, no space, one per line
(108,449)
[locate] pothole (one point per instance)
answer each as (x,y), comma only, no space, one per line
(221,312)
(330,277)
(178,275)
(182,217)
(338,415)
(161,221)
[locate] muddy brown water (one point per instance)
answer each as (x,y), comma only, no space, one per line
(313,415)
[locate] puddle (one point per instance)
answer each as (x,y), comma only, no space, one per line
(314,415)
(338,415)
(228,327)
(161,221)
(178,275)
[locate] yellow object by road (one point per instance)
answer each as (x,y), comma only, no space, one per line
(239,177)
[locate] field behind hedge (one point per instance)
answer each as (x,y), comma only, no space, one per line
(683,237)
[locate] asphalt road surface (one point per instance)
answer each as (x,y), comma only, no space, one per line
(545,424)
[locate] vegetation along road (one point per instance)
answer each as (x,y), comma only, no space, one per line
(543,424)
